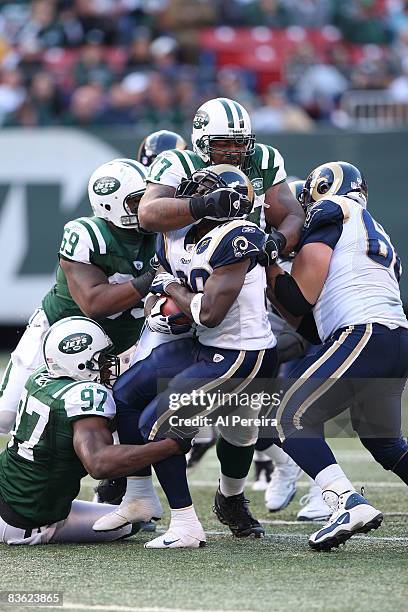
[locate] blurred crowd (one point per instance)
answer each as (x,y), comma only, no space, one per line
(121,62)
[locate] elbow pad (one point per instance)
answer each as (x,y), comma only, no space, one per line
(308,329)
(287,292)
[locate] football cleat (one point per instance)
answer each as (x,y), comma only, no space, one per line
(263,471)
(180,536)
(148,526)
(314,507)
(139,510)
(110,491)
(234,512)
(282,486)
(197,452)
(353,514)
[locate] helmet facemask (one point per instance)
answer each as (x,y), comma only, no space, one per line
(131,206)
(239,157)
(105,365)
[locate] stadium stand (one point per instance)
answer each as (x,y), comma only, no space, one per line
(295,65)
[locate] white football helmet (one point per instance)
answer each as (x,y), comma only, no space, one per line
(223,119)
(115,190)
(78,348)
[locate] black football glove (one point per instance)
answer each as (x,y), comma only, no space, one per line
(273,246)
(183,435)
(221,205)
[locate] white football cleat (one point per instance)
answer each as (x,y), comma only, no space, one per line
(180,536)
(143,509)
(352,515)
(314,506)
(282,487)
(263,471)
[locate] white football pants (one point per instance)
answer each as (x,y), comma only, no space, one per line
(77,527)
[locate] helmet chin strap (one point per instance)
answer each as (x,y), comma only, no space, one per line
(358,197)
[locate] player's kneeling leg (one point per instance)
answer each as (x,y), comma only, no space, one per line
(77,527)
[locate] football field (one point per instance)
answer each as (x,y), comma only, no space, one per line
(279,572)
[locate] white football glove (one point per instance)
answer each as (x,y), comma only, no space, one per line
(161,281)
(157,322)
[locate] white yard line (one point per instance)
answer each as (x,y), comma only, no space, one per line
(296,536)
(113,608)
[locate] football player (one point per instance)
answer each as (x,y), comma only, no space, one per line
(282,484)
(346,275)
(221,134)
(112,491)
(104,271)
(61,434)
(157,142)
(210,271)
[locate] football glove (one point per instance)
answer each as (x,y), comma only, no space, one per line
(157,322)
(183,435)
(221,204)
(161,281)
(274,244)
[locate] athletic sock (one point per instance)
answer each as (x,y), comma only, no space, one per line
(183,515)
(137,487)
(333,482)
(231,486)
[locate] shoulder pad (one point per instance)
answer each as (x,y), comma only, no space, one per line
(171,166)
(243,241)
(271,164)
(88,399)
(326,211)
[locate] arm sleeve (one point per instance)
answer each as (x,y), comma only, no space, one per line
(244,242)
(167,169)
(308,329)
(89,399)
(77,244)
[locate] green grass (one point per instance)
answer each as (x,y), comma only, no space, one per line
(279,572)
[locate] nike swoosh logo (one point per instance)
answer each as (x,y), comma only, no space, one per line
(171,542)
(342,519)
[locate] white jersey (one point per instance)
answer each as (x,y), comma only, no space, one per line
(245,326)
(362,283)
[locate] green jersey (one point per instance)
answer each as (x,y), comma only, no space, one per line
(39,471)
(121,254)
(266,169)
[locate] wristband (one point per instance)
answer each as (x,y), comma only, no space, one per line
(280,240)
(142,283)
(195,307)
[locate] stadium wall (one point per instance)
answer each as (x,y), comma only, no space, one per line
(43,184)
